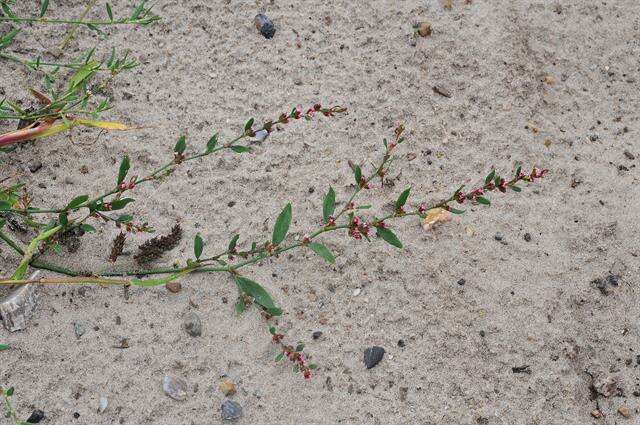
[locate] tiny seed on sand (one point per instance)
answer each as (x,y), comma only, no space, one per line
(424,29)
(624,411)
(174,287)
(227,387)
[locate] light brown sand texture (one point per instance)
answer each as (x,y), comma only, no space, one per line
(547,83)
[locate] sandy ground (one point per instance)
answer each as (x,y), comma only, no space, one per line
(205,68)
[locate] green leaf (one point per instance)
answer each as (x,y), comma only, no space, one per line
(77,201)
(402,199)
(272,330)
(232,243)
(137,11)
(322,251)
(4,206)
(490,177)
(313,366)
(211,144)
(9,392)
(3,347)
(496,180)
(299,347)
(388,236)
(248,124)
(181,145)
(21,271)
(121,203)
(240,306)
(258,293)
(279,357)
(88,228)
(109,12)
(240,149)
(198,245)
(83,74)
(516,188)
(281,228)
(44,7)
(125,218)
(124,169)
(328,204)
(482,200)
(6,39)
(357,174)
(455,211)
(57,249)
(7,11)
(63,218)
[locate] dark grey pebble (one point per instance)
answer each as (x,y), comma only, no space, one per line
(401,343)
(461,282)
(316,334)
(231,411)
(373,356)
(193,325)
(613,280)
(482,333)
(35,166)
(629,155)
(264,25)
(36,417)
(527,237)
(498,237)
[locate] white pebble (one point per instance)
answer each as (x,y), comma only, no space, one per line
(103,404)
(356,292)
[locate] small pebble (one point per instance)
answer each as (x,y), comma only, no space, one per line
(193,325)
(624,411)
(527,237)
(76,415)
(227,387)
(356,292)
(173,287)
(316,334)
(424,29)
(36,416)
(79,329)
(231,411)
(35,166)
(261,135)
(498,237)
(596,413)
(613,280)
(401,343)
(461,282)
(69,180)
(175,388)
(628,154)
(264,25)
(441,91)
(373,356)
(103,404)
(482,333)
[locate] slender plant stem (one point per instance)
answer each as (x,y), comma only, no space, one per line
(72,31)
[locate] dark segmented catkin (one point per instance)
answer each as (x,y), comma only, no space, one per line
(154,248)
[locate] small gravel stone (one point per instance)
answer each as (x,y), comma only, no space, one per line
(527,237)
(613,280)
(316,334)
(401,343)
(482,333)
(373,356)
(624,411)
(356,292)
(498,237)
(193,325)
(629,155)
(173,287)
(69,180)
(103,404)
(231,411)
(461,282)
(227,387)
(175,388)
(264,25)
(36,416)
(35,166)
(79,329)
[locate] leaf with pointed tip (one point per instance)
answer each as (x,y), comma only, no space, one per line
(455,211)
(281,228)
(124,169)
(490,177)
(240,306)
(121,203)
(109,12)
(181,145)
(482,200)
(211,144)
(198,246)
(232,243)
(248,124)
(6,39)
(322,251)
(388,236)
(44,7)
(516,188)
(258,293)
(402,199)
(77,201)
(240,149)
(328,204)
(357,174)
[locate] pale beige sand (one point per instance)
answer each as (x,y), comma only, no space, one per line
(205,68)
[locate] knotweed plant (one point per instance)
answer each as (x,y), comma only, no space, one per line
(352,217)
(72,93)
